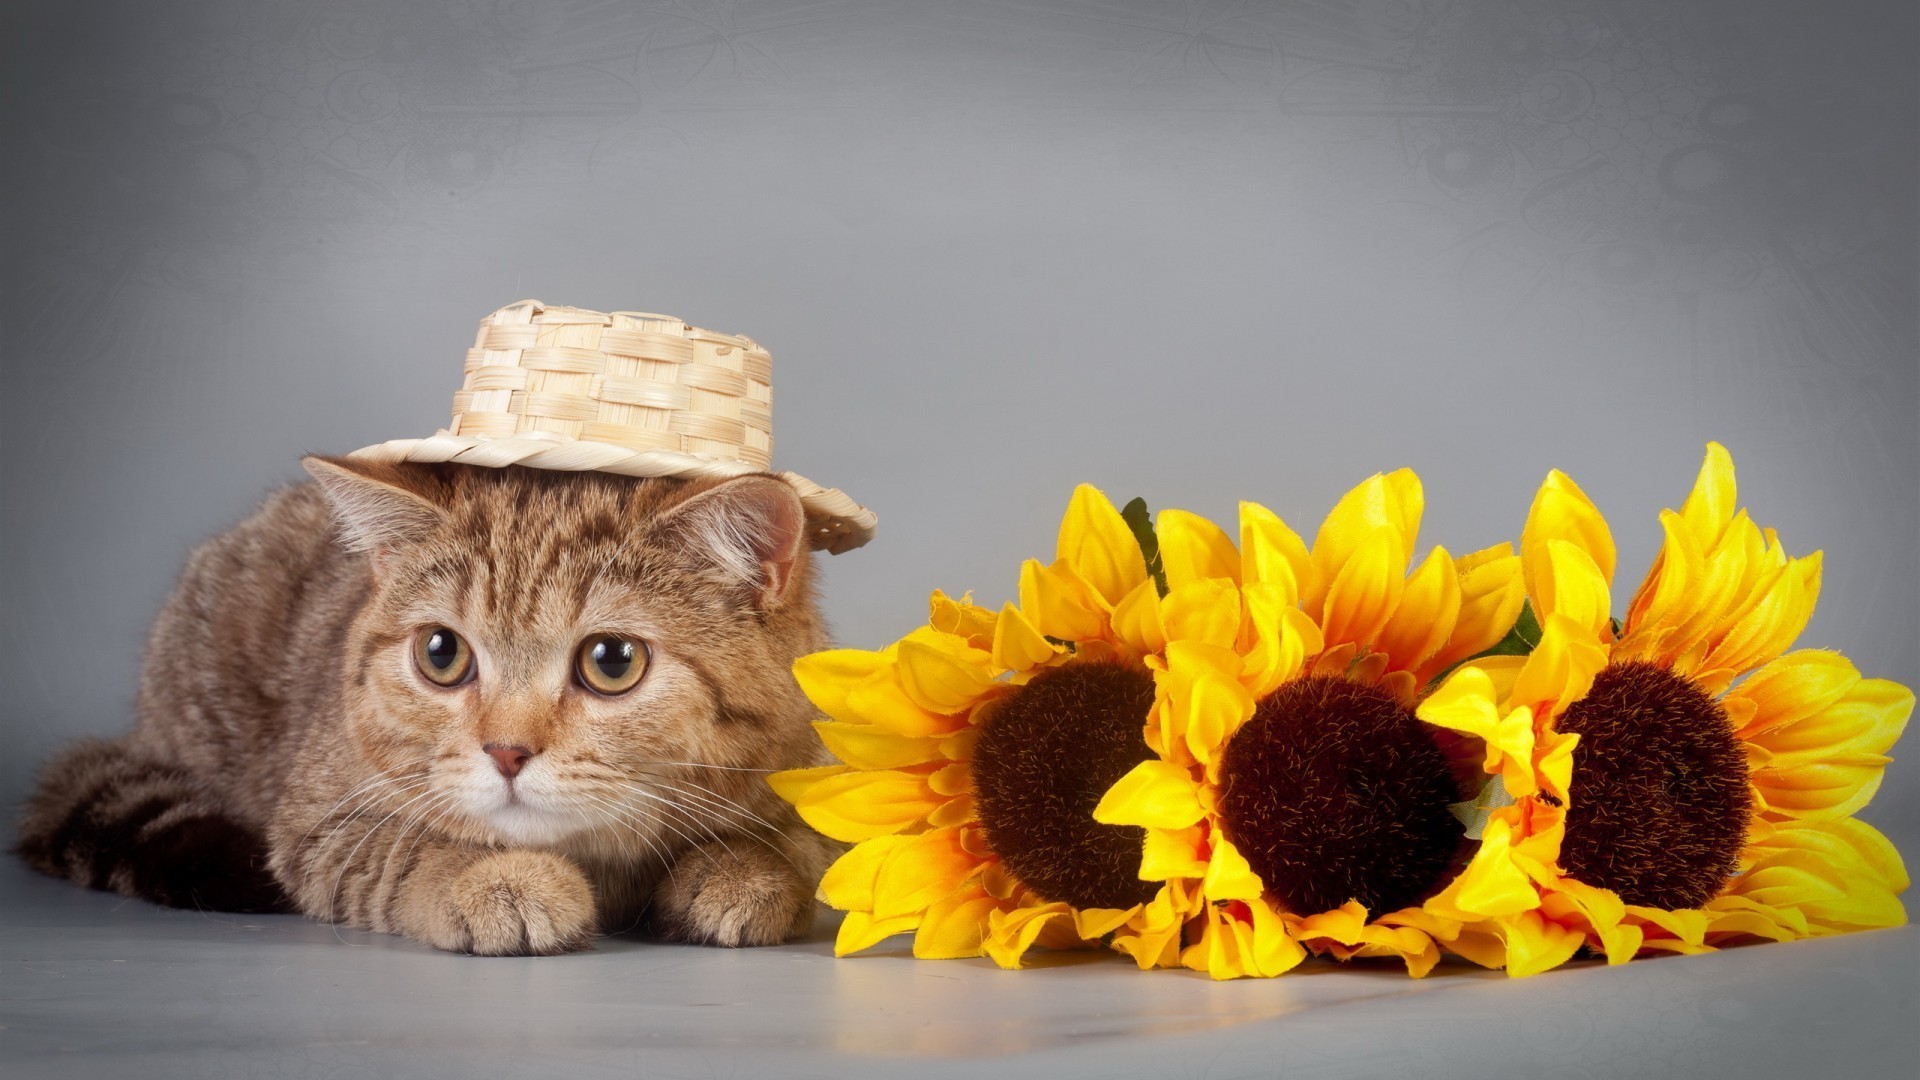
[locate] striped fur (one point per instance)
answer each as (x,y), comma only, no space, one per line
(289,755)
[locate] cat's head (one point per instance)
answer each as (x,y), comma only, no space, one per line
(575,657)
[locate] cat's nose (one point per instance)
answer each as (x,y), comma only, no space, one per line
(508,759)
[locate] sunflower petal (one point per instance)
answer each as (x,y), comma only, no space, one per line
(1561,511)
(827,678)
(955,926)
(1096,542)
(944,681)
(1366,590)
(1058,603)
(1792,688)
(1273,554)
(1425,618)
(1156,794)
(1137,622)
(1536,944)
(1393,501)
(1868,719)
(1228,876)
(1205,610)
(920,870)
(853,805)
(1710,506)
(867,747)
(1492,591)
(860,931)
(1018,644)
(1573,588)
(1011,933)
(848,883)
(1194,549)
(1559,670)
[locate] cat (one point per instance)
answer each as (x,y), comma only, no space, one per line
(499,711)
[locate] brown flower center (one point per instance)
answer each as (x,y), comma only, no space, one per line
(1335,791)
(1046,755)
(1660,800)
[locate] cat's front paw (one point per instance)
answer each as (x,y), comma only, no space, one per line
(521,903)
(746,896)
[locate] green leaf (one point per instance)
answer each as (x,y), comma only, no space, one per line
(1141,522)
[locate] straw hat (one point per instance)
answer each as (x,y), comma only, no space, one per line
(622,392)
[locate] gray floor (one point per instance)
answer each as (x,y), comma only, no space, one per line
(100,986)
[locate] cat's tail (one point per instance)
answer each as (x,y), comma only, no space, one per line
(107,818)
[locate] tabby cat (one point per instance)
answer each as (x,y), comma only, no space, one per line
(495,710)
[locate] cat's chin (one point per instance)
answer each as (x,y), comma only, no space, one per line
(522,825)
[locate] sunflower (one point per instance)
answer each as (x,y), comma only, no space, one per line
(974,749)
(1678,780)
(1294,803)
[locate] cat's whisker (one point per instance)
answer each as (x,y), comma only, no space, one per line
(692,841)
(370,802)
(706,765)
(716,804)
(365,787)
(720,802)
(346,864)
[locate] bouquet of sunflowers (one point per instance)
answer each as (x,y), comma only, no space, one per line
(1231,755)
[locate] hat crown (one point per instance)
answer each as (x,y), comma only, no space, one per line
(632,379)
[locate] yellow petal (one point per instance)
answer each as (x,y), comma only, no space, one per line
(1572,587)
(1393,502)
(1835,788)
(1867,719)
(919,871)
(1097,543)
(955,926)
(1792,688)
(1536,944)
(1172,853)
(1561,511)
(860,931)
(1366,590)
(1018,644)
(1466,702)
(945,681)
(962,618)
(868,747)
(1768,627)
(1273,554)
(827,677)
(1425,616)
(1492,885)
(1136,620)
(1156,794)
(1228,876)
(883,702)
(1710,506)
(848,883)
(1559,670)
(1276,638)
(1205,611)
(1194,549)
(1491,594)
(1059,604)
(854,806)
(1011,933)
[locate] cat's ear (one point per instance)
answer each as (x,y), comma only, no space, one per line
(750,529)
(374,511)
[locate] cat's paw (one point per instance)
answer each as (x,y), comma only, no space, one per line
(746,896)
(521,903)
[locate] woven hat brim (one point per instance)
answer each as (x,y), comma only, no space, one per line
(835,523)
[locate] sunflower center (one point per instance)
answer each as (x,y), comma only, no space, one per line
(1045,756)
(1660,798)
(1335,791)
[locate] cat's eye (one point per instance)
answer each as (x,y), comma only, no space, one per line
(442,656)
(610,664)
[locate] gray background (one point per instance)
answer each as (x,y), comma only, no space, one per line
(1197,252)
